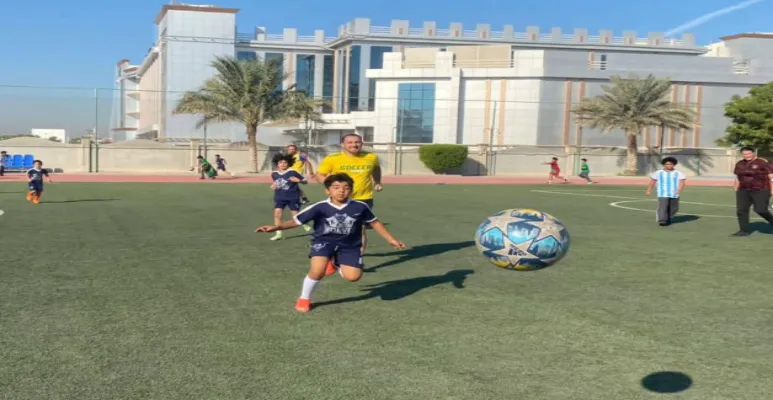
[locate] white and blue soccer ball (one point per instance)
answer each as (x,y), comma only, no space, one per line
(522,239)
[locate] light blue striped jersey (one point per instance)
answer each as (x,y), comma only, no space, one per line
(668,182)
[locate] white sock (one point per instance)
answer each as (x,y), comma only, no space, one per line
(341,272)
(308,287)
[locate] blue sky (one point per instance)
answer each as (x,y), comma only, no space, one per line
(76,43)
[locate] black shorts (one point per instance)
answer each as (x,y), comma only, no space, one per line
(369,202)
(293,205)
(351,256)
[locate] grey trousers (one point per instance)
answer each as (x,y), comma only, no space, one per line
(667,209)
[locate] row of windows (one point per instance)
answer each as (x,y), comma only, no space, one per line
(306,64)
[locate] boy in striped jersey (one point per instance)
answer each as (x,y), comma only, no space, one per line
(670,183)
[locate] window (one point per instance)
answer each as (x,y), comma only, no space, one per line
(278,60)
(598,61)
(354,79)
(304,73)
(416,113)
(376,62)
(246,56)
(327,84)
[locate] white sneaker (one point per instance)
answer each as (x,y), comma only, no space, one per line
(307,228)
(278,236)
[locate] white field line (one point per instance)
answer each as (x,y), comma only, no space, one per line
(626,200)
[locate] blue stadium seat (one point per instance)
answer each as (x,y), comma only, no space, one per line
(17,162)
(29,161)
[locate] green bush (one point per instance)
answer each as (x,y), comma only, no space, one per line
(443,157)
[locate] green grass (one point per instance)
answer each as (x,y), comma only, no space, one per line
(164,292)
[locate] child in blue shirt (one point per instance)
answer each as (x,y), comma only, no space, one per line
(338,223)
(287,193)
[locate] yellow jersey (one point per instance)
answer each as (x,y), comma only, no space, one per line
(299,164)
(359,168)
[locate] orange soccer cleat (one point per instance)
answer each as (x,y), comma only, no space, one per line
(36,199)
(303,305)
(330,269)
(30,196)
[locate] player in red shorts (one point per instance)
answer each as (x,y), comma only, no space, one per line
(555,171)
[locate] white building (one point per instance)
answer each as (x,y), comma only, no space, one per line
(59,134)
(433,84)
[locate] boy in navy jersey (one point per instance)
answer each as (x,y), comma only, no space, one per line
(35,184)
(286,190)
(338,224)
(220,161)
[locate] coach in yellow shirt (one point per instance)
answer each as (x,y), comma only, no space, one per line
(362,166)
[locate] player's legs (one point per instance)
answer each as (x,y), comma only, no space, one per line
(761,203)
(304,199)
(320,256)
(673,208)
(278,208)
(38,194)
(317,266)
(663,211)
(743,202)
(370,204)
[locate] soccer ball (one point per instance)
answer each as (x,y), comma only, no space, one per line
(522,239)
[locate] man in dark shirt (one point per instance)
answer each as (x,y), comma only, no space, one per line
(752,188)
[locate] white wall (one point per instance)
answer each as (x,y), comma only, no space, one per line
(60,134)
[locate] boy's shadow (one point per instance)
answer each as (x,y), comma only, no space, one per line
(684,218)
(396,290)
(424,250)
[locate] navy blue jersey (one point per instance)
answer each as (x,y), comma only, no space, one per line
(339,225)
(36,175)
(285,188)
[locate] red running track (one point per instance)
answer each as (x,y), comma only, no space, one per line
(403,179)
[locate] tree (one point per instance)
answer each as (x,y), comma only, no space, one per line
(300,105)
(751,120)
(246,92)
(631,104)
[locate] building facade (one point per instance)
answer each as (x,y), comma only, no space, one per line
(433,84)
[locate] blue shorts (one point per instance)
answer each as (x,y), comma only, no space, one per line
(293,205)
(35,187)
(350,256)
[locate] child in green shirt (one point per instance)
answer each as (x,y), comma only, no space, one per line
(585,171)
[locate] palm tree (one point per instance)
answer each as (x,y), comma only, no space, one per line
(306,109)
(631,104)
(241,91)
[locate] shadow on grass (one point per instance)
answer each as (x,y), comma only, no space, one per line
(402,288)
(684,218)
(761,227)
(421,251)
(666,382)
(76,201)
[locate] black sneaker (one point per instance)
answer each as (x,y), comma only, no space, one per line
(741,233)
(305,200)
(663,223)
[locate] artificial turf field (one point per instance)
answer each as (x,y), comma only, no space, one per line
(162,291)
